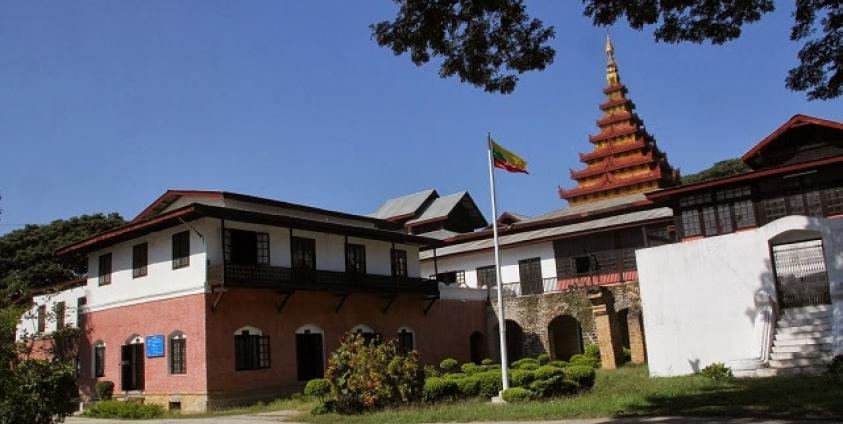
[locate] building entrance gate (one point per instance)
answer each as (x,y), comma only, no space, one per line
(801,278)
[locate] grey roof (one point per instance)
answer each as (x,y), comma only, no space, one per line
(403,205)
(590,207)
(510,239)
(440,207)
(440,234)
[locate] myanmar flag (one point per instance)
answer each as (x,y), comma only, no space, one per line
(505,159)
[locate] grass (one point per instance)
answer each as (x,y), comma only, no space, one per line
(630,392)
(299,403)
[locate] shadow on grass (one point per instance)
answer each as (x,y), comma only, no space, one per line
(798,397)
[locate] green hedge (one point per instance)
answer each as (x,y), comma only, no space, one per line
(449,365)
(517,394)
(318,388)
(104,390)
(125,410)
(439,389)
(472,368)
(581,375)
(525,364)
(547,371)
(521,378)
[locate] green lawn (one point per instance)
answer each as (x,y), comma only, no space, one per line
(630,392)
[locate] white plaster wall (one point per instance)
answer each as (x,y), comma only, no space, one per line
(28,324)
(698,297)
(161,281)
(469,262)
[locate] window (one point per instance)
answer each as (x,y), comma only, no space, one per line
(833,200)
(178,354)
(42,319)
(406,340)
(813,202)
(304,259)
(530,275)
(452,277)
(104,269)
(80,303)
(399,263)
(691,223)
(797,206)
(139,260)
(724,218)
(709,221)
(487,276)
(584,264)
(733,193)
(246,247)
(744,214)
(181,249)
(59,309)
(251,351)
(696,199)
(355,259)
(99,359)
(775,208)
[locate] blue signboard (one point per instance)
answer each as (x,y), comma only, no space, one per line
(154,346)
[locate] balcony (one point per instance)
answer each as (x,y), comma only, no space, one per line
(285,280)
(555,285)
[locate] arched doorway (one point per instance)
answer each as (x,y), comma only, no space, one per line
(799,269)
(565,336)
(131,364)
(623,327)
(478,347)
(514,340)
(310,357)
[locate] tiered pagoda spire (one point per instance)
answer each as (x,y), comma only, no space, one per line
(625,159)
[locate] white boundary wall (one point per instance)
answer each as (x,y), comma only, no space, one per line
(699,297)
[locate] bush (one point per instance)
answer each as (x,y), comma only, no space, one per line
(547,371)
(487,361)
(490,383)
(431,371)
(521,378)
(627,354)
(717,371)
(449,365)
(558,364)
(454,375)
(516,394)
(438,389)
(471,368)
(835,369)
(468,386)
(525,364)
(582,376)
(553,386)
(318,388)
(369,376)
(37,392)
(592,351)
(104,390)
(585,360)
(543,359)
(125,410)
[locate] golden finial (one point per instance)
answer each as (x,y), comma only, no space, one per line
(612,76)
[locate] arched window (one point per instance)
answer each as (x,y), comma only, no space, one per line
(251,349)
(98,359)
(178,353)
(406,340)
(365,332)
(310,356)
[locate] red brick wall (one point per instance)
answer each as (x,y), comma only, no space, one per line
(115,326)
(443,332)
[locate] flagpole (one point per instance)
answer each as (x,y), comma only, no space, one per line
(499,280)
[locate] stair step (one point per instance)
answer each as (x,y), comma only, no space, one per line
(802,348)
(784,322)
(803,309)
(803,341)
(782,356)
(803,334)
(772,372)
(803,329)
(807,315)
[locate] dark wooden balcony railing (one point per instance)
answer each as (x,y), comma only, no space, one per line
(285,279)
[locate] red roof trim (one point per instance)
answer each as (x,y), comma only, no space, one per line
(795,121)
(662,194)
(149,210)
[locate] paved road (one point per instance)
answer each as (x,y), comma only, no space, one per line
(285,416)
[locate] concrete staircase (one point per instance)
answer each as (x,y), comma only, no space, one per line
(803,342)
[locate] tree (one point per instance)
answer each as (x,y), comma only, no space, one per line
(723,168)
(488,42)
(27,256)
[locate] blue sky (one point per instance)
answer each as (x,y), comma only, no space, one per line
(105,105)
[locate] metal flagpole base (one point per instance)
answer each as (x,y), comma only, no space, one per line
(499,399)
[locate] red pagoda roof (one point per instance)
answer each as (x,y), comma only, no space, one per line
(611,165)
(612,133)
(617,117)
(616,102)
(608,184)
(613,149)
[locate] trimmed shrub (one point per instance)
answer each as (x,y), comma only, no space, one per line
(525,364)
(468,386)
(718,371)
(431,371)
(521,378)
(582,376)
(125,410)
(438,389)
(516,394)
(585,360)
(454,375)
(558,364)
(487,361)
(592,351)
(547,371)
(554,386)
(471,368)
(318,388)
(104,390)
(543,359)
(449,365)
(490,383)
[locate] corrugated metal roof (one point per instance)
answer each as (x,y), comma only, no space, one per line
(594,224)
(440,207)
(403,205)
(440,234)
(590,207)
